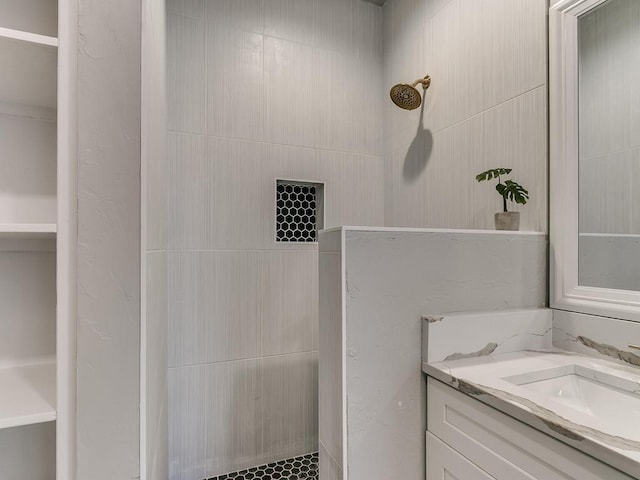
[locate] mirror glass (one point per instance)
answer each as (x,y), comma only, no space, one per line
(609,131)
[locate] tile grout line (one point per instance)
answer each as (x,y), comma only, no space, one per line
(221,362)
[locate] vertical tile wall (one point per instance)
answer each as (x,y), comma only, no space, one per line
(486,108)
(259,90)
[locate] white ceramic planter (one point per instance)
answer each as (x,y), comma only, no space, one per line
(507,221)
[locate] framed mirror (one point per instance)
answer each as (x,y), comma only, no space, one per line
(594,94)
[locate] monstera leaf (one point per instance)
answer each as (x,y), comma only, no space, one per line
(509,190)
(512,191)
(493,173)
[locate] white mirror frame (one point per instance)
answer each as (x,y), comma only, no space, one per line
(566,294)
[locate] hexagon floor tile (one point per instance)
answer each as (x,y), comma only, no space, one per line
(299,468)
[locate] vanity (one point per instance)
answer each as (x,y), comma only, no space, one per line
(510,405)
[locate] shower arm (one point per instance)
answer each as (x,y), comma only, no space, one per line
(426,82)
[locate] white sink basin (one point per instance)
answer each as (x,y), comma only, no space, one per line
(609,398)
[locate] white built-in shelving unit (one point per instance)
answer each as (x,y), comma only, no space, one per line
(35,154)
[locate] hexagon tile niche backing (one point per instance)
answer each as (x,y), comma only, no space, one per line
(299,468)
(297,211)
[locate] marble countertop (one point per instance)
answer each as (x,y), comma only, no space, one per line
(484,378)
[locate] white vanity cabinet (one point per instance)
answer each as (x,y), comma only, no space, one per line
(469,440)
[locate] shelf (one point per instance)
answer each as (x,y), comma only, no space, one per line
(28,230)
(27,395)
(28,37)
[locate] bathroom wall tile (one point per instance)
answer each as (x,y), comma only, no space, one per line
(292,163)
(515,61)
(353,189)
(234,416)
(290,409)
(235,81)
(330,370)
(404,181)
(156,381)
(188,8)
(367,26)
(469,73)
(388,73)
(187,318)
(449,176)
(289,301)
(187,190)
(239,195)
(218,199)
(186,79)
(443,52)
(214,306)
(290,20)
(156,196)
(329,465)
(160,459)
(515,136)
(333,20)
(245,15)
(290,98)
(349,116)
(186,423)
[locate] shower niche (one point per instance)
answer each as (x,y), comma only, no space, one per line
(299,211)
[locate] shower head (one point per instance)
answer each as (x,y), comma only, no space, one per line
(407,96)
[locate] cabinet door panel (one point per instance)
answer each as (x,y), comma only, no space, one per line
(444,463)
(506,448)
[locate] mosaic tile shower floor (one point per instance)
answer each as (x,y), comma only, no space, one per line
(299,468)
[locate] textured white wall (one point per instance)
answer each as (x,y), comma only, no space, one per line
(486,108)
(610,118)
(258,91)
(108,340)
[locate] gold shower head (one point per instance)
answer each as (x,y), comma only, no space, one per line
(407,96)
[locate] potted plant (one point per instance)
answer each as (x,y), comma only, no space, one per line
(509,190)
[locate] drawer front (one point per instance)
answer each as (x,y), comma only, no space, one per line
(502,446)
(444,463)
